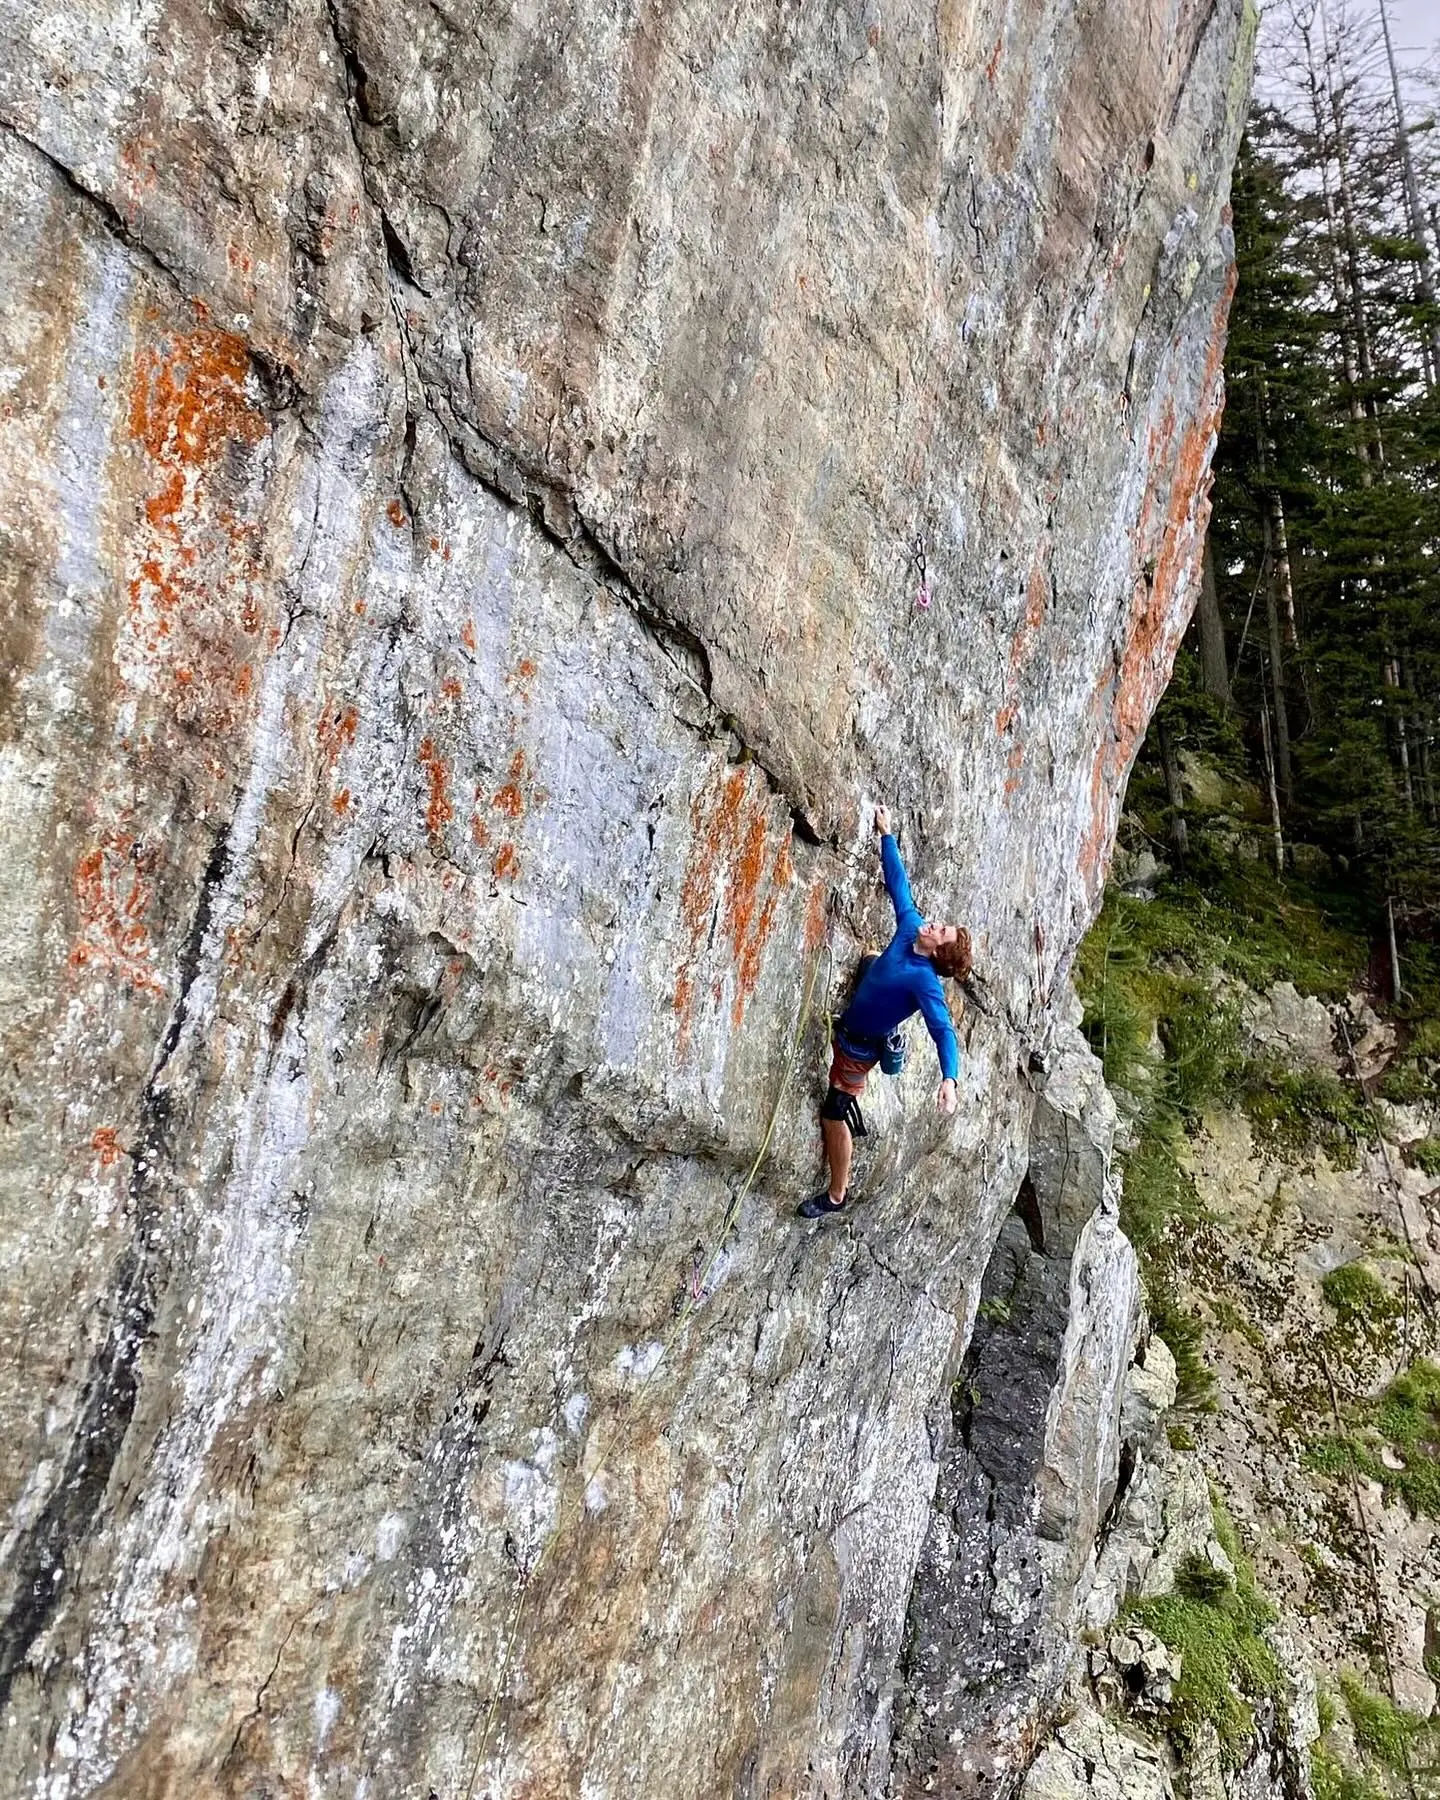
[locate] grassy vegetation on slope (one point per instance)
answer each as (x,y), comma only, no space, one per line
(1405,1420)
(1164,1021)
(1225,1664)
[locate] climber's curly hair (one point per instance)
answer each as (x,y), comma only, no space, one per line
(953,960)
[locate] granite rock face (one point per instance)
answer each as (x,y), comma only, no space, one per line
(493,495)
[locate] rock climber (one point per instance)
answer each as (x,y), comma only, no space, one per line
(903,979)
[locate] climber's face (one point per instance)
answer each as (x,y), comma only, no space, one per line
(931,936)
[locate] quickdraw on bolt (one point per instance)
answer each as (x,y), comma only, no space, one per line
(923,596)
(974,216)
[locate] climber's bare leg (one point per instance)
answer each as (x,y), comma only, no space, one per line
(839,1147)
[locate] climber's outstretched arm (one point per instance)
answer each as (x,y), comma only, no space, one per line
(897,882)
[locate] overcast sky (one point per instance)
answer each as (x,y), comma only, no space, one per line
(1415,25)
(1414,29)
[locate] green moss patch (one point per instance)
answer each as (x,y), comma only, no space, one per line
(1333,1781)
(1397,1748)
(1406,1419)
(1386,1733)
(1355,1292)
(1225,1664)
(1365,1309)
(1297,1111)
(1426,1155)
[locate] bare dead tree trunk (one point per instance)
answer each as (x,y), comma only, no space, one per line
(1214,669)
(1397,992)
(1284,579)
(1275,824)
(1402,736)
(1273,558)
(1175,794)
(1277,694)
(1360,323)
(1333,234)
(1429,340)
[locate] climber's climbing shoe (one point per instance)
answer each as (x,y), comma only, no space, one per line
(819,1207)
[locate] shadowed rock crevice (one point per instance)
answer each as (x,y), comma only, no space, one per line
(1031,1465)
(46,1554)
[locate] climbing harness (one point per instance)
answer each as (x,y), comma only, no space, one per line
(892,1052)
(696,1291)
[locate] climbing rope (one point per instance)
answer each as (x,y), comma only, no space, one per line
(696,1289)
(1428,1300)
(1377,1603)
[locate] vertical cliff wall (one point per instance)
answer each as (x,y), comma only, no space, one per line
(467,471)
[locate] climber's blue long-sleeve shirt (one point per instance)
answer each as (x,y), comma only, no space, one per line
(900,981)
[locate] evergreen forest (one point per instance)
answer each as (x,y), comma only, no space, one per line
(1312,670)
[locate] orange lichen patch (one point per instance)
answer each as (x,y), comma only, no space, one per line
(106,1145)
(335,733)
(509,799)
(815,918)
(725,873)
(467,635)
(395,513)
(1167,558)
(517,795)
(521,676)
(112,897)
(137,172)
(193,574)
(439,812)
(1037,594)
(188,403)
(1022,647)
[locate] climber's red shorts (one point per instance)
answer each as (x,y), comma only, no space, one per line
(848,1072)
